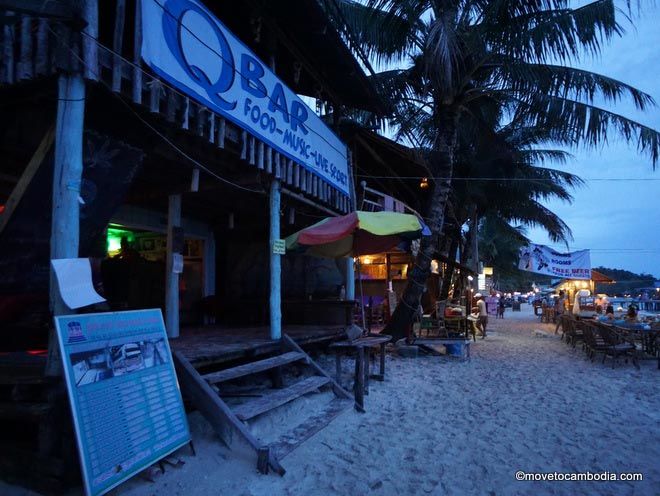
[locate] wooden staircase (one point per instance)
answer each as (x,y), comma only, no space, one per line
(204,391)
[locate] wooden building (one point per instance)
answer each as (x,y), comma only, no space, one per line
(178,205)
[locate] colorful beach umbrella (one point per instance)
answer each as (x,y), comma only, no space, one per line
(355,234)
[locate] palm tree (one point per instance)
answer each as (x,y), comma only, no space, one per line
(489,163)
(499,247)
(511,57)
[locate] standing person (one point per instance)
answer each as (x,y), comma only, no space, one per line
(500,308)
(482,320)
(560,307)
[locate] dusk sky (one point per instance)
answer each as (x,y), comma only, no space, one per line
(619,220)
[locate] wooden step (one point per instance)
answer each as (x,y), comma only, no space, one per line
(253,367)
(291,440)
(279,397)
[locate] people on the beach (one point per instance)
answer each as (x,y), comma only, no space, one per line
(500,308)
(609,312)
(482,319)
(560,307)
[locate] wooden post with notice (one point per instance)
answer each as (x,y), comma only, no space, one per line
(174,266)
(275,301)
(275,262)
(65,230)
(67,174)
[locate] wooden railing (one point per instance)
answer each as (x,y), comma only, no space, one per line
(374,201)
(33,47)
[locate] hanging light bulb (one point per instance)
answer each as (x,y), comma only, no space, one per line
(424,183)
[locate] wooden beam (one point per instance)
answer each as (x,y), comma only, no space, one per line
(200,120)
(26,177)
(137,61)
(221,132)
(185,123)
(25,67)
(67,177)
(244,139)
(349,272)
(269,160)
(289,171)
(117,44)
(253,367)
(154,96)
(90,55)
(41,59)
(170,105)
(260,155)
(275,262)
(7,67)
(212,132)
(277,166)
(296,176)
(251,150)
(172,278)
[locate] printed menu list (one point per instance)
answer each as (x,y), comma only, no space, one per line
(124,395)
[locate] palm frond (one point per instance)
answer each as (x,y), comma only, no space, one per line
(564,82)
(557,33)
(586,124)
(383,36)
(536,215)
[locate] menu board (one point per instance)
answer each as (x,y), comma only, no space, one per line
(124,395)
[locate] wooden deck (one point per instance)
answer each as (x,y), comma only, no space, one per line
(215,344)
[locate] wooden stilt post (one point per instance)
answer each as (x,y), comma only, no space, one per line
(274,235)
(275,263)
(171,278)
(65,230)
(350,278)
(388,272)
(350,264)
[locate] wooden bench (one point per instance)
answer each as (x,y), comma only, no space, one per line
(362,347)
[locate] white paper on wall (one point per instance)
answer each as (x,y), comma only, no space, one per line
(74,278)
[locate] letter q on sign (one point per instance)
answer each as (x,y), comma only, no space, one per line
(201,48)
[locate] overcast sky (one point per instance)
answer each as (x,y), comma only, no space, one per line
(619,221)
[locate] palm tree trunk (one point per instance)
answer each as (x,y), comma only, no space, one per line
(441,163)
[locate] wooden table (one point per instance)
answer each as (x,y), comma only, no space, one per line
(362,346)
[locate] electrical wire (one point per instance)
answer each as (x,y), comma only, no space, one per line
(519,179)
(195,162)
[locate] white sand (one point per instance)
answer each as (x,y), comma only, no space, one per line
(439,426)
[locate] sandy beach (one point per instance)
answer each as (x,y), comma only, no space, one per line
(440,426)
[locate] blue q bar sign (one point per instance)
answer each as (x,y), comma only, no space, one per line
(188,47)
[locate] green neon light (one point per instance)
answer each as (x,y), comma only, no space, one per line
(113,239)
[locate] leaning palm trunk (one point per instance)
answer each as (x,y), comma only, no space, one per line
(442,164)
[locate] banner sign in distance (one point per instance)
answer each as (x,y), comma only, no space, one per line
(187,46)
(544,260)
(124,395)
